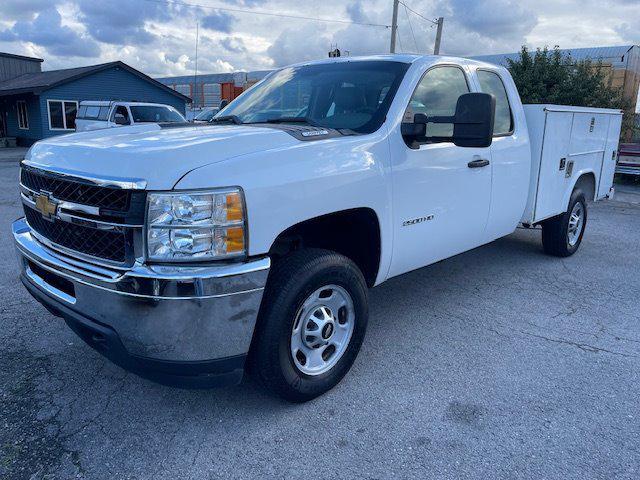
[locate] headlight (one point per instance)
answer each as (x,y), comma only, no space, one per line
(192,226)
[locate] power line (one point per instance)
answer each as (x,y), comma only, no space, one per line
(400,41)
(435,22)
(269,14)
(439,22)
(411,28)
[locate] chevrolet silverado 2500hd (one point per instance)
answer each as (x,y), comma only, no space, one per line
(190,253)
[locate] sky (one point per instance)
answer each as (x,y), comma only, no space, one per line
(158,37)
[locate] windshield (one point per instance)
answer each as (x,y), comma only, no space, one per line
(206,115)
(344,95)
(154,114)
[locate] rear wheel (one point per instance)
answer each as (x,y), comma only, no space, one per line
(311,325)
(562,235)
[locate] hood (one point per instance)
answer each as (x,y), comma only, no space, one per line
(151,153)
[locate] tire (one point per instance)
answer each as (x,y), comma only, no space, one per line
(562,235)
(292,281)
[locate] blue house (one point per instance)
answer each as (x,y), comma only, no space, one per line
(36,104)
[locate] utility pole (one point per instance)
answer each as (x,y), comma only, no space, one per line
(194,92)
(436,47)
(394,26)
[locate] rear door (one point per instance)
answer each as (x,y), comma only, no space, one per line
(440,203)
(510,153)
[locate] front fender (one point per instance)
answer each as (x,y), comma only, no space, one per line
(286,186)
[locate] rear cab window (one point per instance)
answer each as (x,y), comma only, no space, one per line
(491,82)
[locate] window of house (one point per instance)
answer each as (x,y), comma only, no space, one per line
(62,114)
(437,95)
(490,82)
(23,117)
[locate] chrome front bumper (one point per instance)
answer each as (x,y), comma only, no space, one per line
(163,313)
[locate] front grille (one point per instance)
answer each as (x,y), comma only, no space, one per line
(114,199)
(108,244)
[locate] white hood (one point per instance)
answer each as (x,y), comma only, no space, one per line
(148,152)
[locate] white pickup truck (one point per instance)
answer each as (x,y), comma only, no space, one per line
(192,253)
(96,115)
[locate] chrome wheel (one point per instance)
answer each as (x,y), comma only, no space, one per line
(322,330)
(576,220)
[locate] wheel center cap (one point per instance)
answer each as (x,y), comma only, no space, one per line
(327,331)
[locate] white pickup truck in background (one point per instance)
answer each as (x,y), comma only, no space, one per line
(189,254)
(96,115)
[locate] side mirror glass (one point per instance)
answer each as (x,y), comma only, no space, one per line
(120,119)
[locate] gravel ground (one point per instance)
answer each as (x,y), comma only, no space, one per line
(499,363)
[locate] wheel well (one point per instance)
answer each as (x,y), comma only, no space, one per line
(587,183)
(353,233)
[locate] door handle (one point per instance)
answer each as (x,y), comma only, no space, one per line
(479,163)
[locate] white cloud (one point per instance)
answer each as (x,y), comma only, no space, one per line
(46,29)
(160,38)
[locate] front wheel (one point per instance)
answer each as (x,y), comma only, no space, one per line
(562,235)
(311,324)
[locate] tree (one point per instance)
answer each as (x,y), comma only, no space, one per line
(548,76)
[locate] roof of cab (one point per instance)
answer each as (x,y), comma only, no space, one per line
(396,57)
(106,103)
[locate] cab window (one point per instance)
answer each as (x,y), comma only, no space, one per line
(120,115)
(437,95)
(490,82)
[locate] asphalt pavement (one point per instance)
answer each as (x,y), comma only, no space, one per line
(12,154)
(499,363)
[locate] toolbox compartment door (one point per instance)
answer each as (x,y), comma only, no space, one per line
(610,156)
(553,163)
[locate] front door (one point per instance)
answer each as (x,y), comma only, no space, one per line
(440,196)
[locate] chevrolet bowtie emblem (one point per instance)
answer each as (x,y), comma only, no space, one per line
(46,205)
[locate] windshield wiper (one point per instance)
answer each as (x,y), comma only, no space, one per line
(306,120)
(227,118)
(347,132)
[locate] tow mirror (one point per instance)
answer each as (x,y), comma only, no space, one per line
(121,120)
(472,123)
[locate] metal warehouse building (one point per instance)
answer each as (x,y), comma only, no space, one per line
(210,89)
(36,104)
